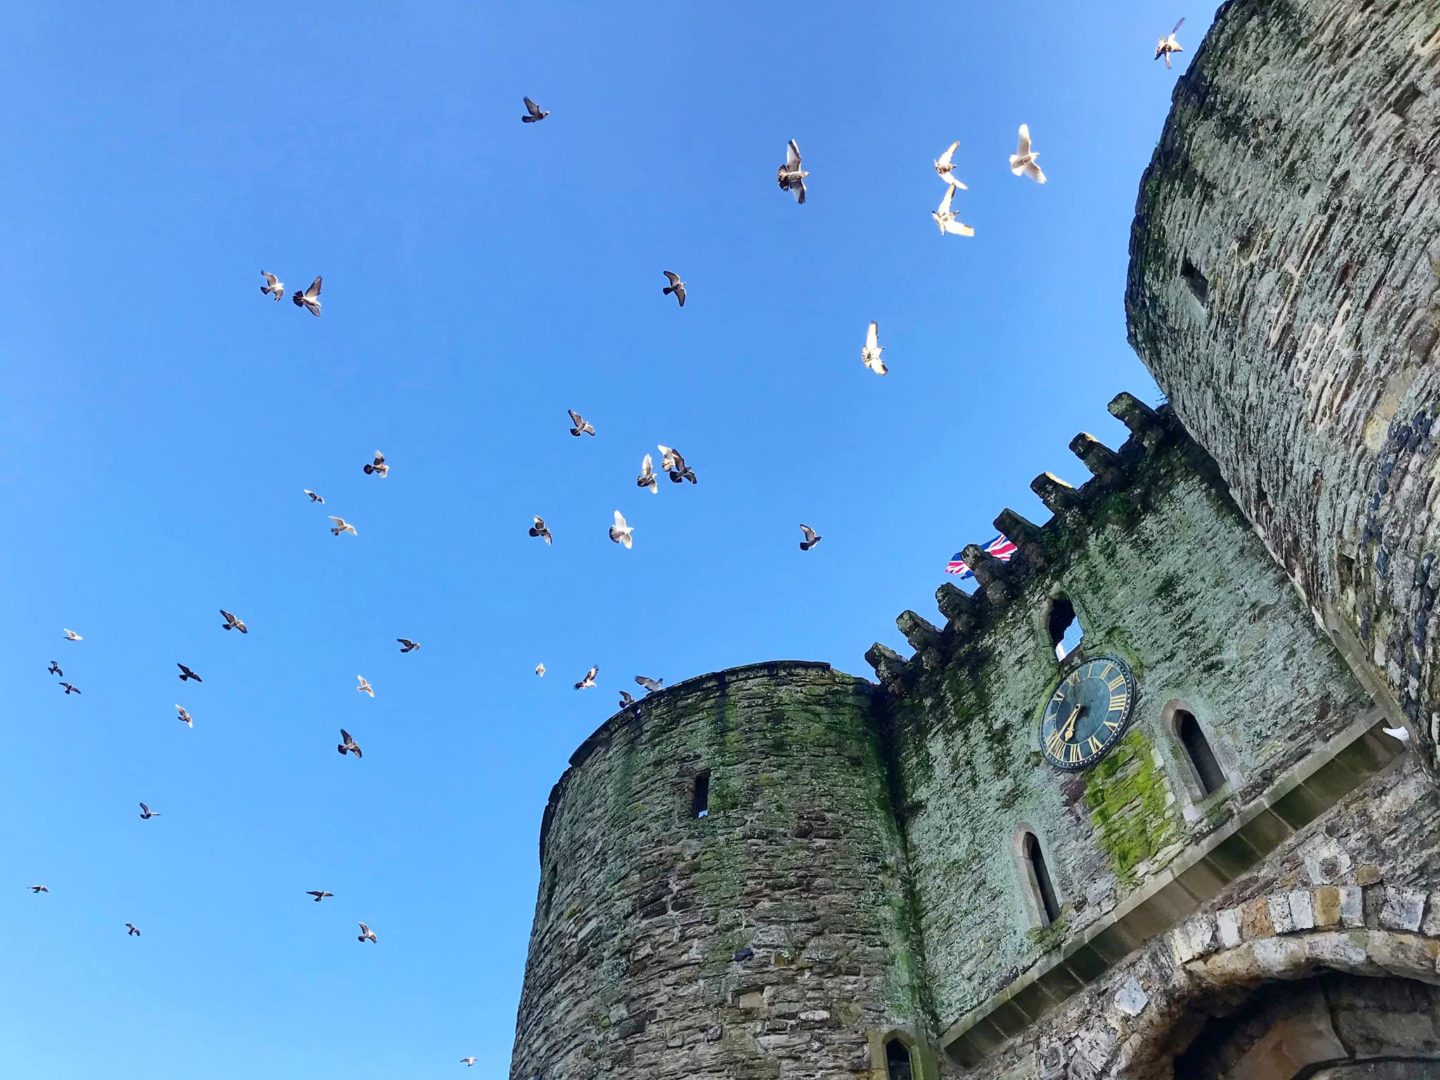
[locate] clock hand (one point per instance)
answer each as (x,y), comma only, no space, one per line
(1070,723)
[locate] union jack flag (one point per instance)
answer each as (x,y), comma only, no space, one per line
(1002,547)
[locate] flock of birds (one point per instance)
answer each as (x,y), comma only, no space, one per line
(791,177)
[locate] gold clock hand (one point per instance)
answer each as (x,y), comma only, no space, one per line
(1070,723)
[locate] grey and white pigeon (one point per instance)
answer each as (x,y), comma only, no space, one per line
(406,645)
(310,298)
(378,466)
(146,813)
(186,674)
(646,479)
(55,669)
(621,533)
(1023,160)
(1168,44)
(71,635)
(69,688)
(945,168)
(589,680)
(650,685)
(676,286)
(467,1061)
(318,894)
(348,745)
(184,716)
(365,687)
(791,176)
(945,217)
(541,530)
(232,622)
(870,354)
(273,287)
(579,426)
(533,113)
(342,526)
(811,538)
(39,888)
(540,670)
(366,934)
(626,698)
(314,498)
(132,930)
(673,462)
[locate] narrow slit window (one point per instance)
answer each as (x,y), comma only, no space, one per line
(1195,280)
(1197,747)
(898,1064)
(1064,626)
(1048,904)
(700,802)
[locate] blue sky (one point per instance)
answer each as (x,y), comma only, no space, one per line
(482,276)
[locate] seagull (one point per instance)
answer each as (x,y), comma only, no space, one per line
(310,298)
(945,217)
(648,683)
(71,635)
(132,930)
(790,175)
(539,529)
(342,526)
(1398,733)
(1168,45)
(673,462)
(314,498)
(273,287)
(945,170)
(378,466)
(318,894)
(186,673)
(70,688)
(811,538)
(626,698)
(39,888)
(540,670)
(647,476)
(55,669)
(184,716)
(589,680)
(620,532)
(533,113)
(348,745)
(146,813)
(467,1061)
(406,645)
(366,934)
(676,286)
(580,426)
(365,687)
(232,623)
(870,354)
(1023,160)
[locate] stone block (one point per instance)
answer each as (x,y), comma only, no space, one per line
(1352,906)
(1196,937)
(1227,927)
(1302,910)
(1278,907)
(1131,998)
(1326,903)
(1255,921)
(1431,923)
(1402,908)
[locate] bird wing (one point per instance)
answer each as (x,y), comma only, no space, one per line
(270,279)
(792,156)
(531,107)
(948,154)
(345,737)
(339,522)
(620,521)
(576,418)
(945,200)
(1035,172)
(227,616)
(313,292)
(798,190)
(1022,147)
(672,277)
(872,337)
(647,466)
(809,532)
(959,228)
(364,929)
(1179,24)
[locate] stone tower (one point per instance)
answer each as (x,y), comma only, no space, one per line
(1182,845)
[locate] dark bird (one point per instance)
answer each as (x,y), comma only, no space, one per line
(146,813)
(309,299)
(580,427)
(676,286)
(539,529)
(348,745)
(314,498)
(69,688)
(811,537)
(132,930)
(672,462)
(318,894)
(366,934)
(378,466)
(648,683)
(186,673)
(626,698)
(55,669)
(741,955)
(406,645)
(589,680)
(533,113)
(39,888)
(233,623)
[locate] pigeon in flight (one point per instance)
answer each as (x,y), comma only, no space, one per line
(71,635)
(676,286)
(69,688)
(39,888)
(626,698)
(646,479)
(406,645)
(132,930)
(791,176)
(366,934)
(540,670)
(273,287)
(341,526)
(870,354)
(533,113)
(673,462)
(378,466)
(365,687)
(318,894)
(539,529)
(232,623)
(650,685)
(348,745)
(620,533)
(579,426)
(1023,160)
(146,813)
(467,1061)
(946,170)
(184,717)
(310,298)
(55,669)
(811,538)
(1168,45)
(945,217)
(314,498)
(186,673)
(589,680)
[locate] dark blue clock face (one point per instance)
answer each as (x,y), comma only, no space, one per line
(1087,713)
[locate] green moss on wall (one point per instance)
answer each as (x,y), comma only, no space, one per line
(1127,799)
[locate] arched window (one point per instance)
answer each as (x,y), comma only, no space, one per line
(1042,888)
(1064,626)
(898,1063)
(1197,748)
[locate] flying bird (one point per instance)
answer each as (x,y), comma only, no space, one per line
(314,498)
(945,217)
(146,813)
(589,680)
(673,462)
(406,645)
(870,354)
(811,538)
(539,529)
(71,635)
(533,113)
(132,930)
(366,934)
(1023,160)
(540,670)
(341,526)
(790,175)
(39,888)
(1399,733)
(579,426)
(184,716)
(348,745)
(186,673)
(467,1061)
(620,533)
(365,687)
(676,286)
(1168,45)
(647,476)
(273,287)
(69,688)
(648,683)
(626,698)
(318,894)
(378,466)
(310,298)
(946,170)
(55,669)
(232,623)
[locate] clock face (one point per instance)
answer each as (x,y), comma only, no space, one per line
(1087,713)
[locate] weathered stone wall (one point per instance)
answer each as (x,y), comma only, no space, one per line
(643,908)
(1284,290)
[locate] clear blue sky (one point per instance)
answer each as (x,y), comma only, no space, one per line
(161,418)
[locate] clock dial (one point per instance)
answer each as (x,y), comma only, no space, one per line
(1087,713)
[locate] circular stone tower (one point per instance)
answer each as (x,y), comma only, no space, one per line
(1284,289)
(721,890)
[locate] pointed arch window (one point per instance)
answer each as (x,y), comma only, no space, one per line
(1044,900)
(899,1060)
(1197,749)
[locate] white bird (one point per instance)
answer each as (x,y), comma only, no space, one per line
(232,622)
(539,529)
(184,716)
(348,745)
(1023,160)
(467,1061)
(39,888)
(310,298)
(273,287)
(533,113)
(676,286)
(1168,44)
(647,475)
(589,680)
(791,176)
(945,217)
(378,466)
(650,685)
(945,170)
(540,670)
(365,687)
(811,538)
(71,635)
(366,934)
(579,426)
(1399,733)
(146,813)
(870,354)
(342,526)
(315,498)
(620,533)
